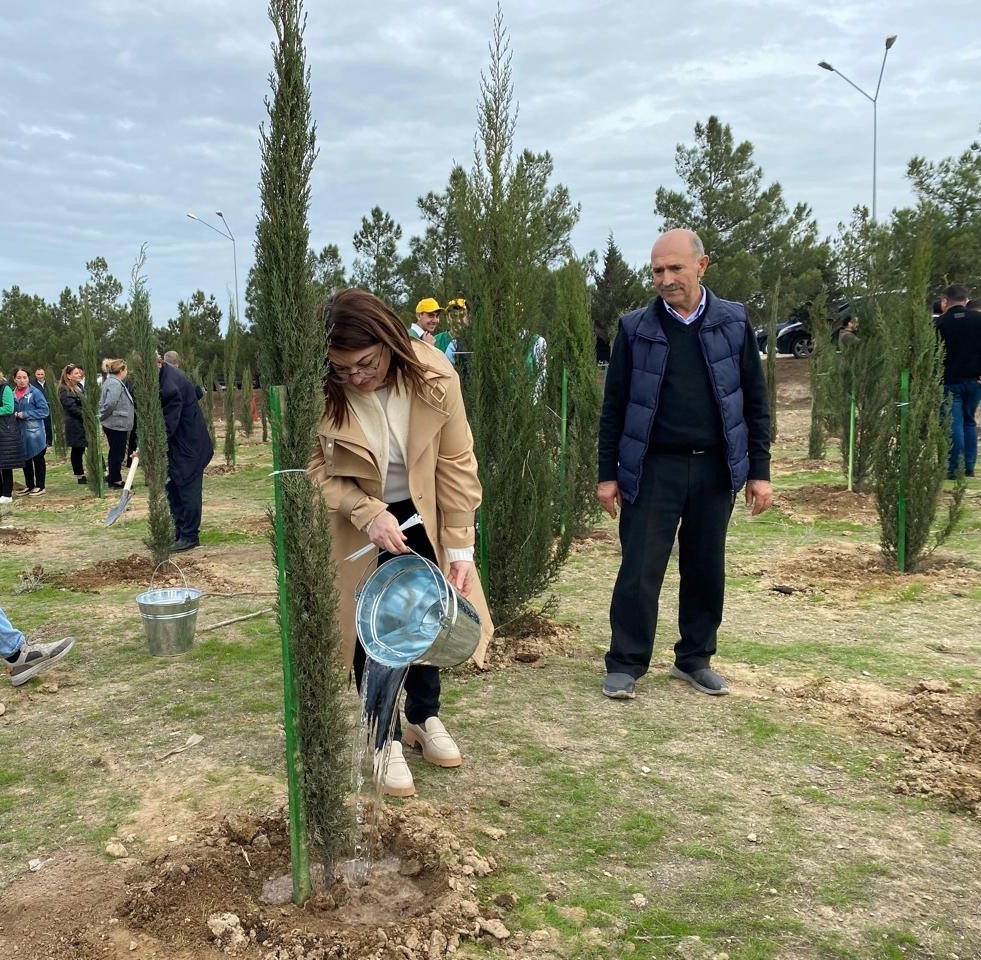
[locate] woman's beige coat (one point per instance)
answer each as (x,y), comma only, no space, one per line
(443,483)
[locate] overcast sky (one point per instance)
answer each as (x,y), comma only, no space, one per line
(117,117)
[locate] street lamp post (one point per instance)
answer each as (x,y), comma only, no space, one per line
(228,235)
(874,100)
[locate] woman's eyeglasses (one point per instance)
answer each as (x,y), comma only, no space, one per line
(364,370)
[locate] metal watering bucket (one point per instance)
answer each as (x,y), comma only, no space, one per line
(170,616)
(408,612)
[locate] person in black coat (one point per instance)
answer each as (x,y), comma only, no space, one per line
(189,451)
(70,393)
(11,444)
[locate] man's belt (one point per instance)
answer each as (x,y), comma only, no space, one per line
(685,451)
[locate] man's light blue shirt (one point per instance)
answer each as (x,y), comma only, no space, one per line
(698,311)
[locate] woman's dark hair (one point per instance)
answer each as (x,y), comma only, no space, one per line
(355,320)
(18,370)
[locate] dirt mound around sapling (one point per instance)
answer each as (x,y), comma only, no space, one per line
(416,905)
(221,469)
(530,639)
(137,570)
(17,536)
(939,729)
(827,503)
(847,571)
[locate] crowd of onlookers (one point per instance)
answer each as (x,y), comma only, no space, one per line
(26,432)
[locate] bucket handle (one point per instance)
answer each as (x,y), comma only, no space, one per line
(444,597)
(159,565)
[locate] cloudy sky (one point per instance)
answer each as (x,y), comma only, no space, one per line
(118,117)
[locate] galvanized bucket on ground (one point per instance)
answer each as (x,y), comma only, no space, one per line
(170,616)
(408,612)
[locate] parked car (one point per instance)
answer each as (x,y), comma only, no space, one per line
(793,337)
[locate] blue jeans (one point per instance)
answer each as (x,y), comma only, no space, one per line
(965,396)
(10,639)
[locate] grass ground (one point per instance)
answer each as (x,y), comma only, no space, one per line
(802,817)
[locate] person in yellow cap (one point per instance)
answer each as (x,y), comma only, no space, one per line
(446,340)
(427,319)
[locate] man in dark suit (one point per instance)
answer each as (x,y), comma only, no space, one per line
(189,451)
(39,382)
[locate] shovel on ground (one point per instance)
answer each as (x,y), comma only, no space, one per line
(117,511)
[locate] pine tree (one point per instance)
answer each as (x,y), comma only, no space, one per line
(292,347)
(90,401)
(512,227)
(616,291)
(748,231)
(909,342)
(151,430)
(228,406)
(376,264)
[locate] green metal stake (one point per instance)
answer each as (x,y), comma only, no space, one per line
(851,441)
(563,450)
(901,508)
(299,858)
(483,546)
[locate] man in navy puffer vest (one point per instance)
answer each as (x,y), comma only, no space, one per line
(685,425)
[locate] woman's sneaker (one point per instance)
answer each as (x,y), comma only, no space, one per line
(34,658)
(37,492)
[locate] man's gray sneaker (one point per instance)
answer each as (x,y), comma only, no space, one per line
(705,680)
(619,686)
(35,658)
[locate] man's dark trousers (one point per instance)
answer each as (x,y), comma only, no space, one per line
(185,507)
(695,490)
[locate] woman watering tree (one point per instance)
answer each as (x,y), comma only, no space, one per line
(394,441)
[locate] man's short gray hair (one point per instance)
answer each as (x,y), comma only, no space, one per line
(172,358)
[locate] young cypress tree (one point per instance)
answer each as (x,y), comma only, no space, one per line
(292,348)
(771,361)
(228,404)
(910,343)
(512,226)
(860,371)
(571,348)
(820,361)
(264,415)
(245,413)
(57,415)
(151,430)
(209,397)
(90,401)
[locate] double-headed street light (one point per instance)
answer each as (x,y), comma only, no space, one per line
(890,40)
(228,235)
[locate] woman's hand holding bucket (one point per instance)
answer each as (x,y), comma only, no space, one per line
(461,576)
